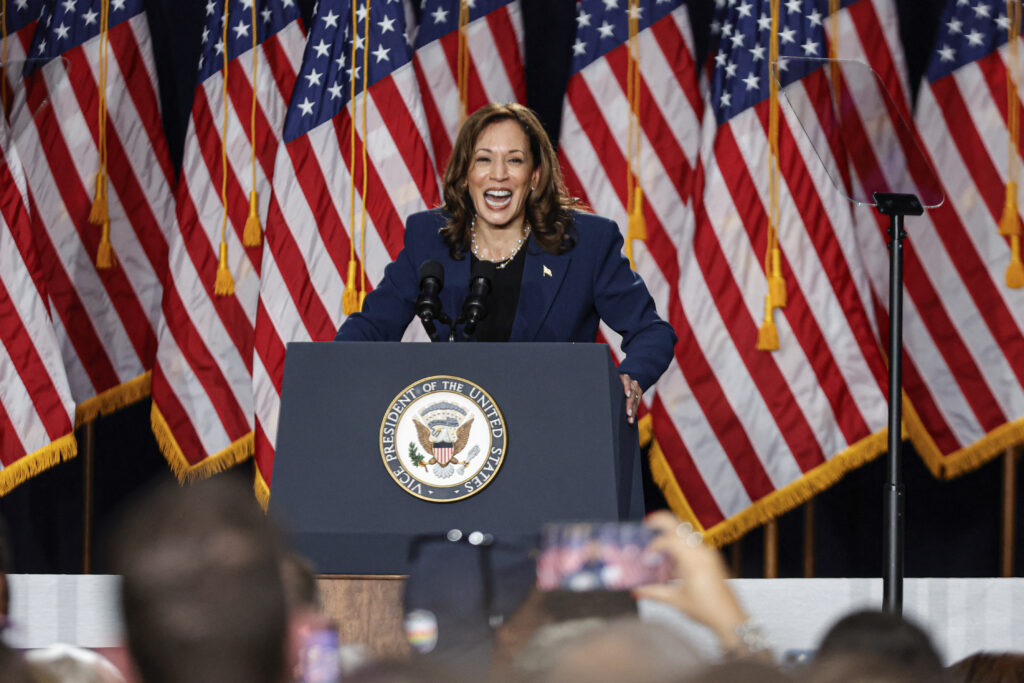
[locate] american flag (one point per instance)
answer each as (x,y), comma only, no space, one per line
(202,383)
(18,24)
(313,227)
(964,327)
(492,62)
(595,153)
(763,431)
(36,410)
(105,318)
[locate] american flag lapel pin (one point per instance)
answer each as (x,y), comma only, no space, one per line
(547,272)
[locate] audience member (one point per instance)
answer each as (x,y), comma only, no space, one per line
(600,651)
(876,646)
(62,663)
(863,667)
(740,671)
(13,668)
(202,594)
(989,667)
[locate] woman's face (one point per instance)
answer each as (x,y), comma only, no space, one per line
(501,172)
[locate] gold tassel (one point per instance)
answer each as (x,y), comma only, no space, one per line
(350,299)
(768,335)
(636,228)
(362,298)
(1014,271)
(637,222)
(98,212)
(1009,223)
(105,252)
(776,283)
(224,284)
(252,236)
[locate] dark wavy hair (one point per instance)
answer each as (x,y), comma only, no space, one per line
(548,208)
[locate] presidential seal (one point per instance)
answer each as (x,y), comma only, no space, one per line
(443,439)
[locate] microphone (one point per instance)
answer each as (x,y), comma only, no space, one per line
(474,308)
(428,303)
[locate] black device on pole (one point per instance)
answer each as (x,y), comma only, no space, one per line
(428,303)
(474,308)
(896,206)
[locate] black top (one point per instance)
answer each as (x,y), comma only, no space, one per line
(502,301)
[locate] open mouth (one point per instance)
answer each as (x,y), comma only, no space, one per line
(497,199)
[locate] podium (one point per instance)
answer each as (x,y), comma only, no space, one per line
(568,451)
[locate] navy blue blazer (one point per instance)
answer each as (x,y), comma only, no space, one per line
(562,299)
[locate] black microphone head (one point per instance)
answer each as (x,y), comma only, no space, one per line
(432,269)
(483,270)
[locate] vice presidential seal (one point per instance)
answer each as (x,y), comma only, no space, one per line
(443,439)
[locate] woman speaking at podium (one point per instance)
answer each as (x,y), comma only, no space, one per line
(554,271)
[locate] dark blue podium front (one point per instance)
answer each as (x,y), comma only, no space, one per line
(570,454)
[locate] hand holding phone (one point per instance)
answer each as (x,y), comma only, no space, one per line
(592,556)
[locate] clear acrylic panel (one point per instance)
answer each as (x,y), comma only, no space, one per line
(856,129)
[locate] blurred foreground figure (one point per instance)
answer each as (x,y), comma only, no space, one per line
(600,651)
(202,596)
(876,647)
(62,663)
(989,667)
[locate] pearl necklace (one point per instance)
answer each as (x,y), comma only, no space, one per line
(508,259)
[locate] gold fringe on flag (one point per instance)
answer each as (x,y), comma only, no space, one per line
(252,236)
(636,226)
(115,398)
(31,464)
(238,451)
(224,284)
(260,489)
(774,504)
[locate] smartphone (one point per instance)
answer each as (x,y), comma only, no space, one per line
(596,556)
(319,658)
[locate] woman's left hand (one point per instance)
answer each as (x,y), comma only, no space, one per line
(634,394)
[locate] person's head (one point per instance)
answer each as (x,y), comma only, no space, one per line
(624,649)
(202,598)
(864,667)
(881,636)
(63,663)
(989,667)
(503,172)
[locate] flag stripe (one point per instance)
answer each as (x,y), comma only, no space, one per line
(131,316)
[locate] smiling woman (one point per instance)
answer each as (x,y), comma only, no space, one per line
(556,271)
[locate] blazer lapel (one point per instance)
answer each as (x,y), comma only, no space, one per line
(543,274)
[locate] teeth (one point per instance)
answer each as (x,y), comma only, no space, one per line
(498,199)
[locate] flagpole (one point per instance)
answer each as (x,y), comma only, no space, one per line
(89,435)
(1006,549)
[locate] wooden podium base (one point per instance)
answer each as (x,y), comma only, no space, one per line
(368,611)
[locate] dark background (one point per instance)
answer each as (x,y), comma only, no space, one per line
(952,527)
